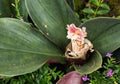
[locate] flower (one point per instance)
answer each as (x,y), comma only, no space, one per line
(109,55)
(80,45)
(85,78)
(109,73)
(75,33)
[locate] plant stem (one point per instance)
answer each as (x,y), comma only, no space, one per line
(96,10)
(17,9)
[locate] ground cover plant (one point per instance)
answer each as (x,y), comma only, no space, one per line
(40,32)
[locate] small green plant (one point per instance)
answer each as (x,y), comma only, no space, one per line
(16,6)
(44,75)
(96,8)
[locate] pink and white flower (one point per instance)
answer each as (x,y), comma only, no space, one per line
(80,45)
(75,33)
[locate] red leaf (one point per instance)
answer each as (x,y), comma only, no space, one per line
(71,78)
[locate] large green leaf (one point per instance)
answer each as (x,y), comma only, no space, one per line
(104,34)
(52,17)
(71,4)
(93,63)
(23,10)
(22,49)
(4,8)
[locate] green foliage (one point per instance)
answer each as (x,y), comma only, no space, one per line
(26,47)
(5,8)
(101,32)
(88,10)
(52,15)
(96,8)
(44,75)
(63,16)
(93,63)
(99,77)
(18,9)
(23,49)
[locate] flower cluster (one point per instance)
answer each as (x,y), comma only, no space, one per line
(80,45)
(109,73)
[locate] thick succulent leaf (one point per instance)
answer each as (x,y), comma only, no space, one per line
(4,8)
(22,49)
(23,10)
(104,34)
(73,77)
(52,17)
(93,63)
